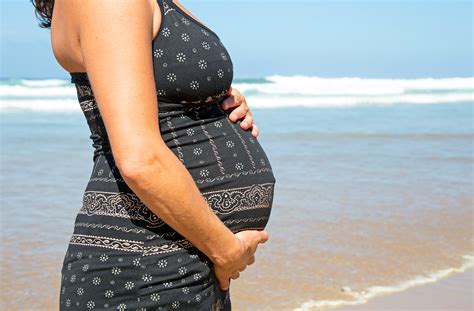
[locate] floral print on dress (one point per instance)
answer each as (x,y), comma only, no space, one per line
(158,53)
(185,37)
(186,44)
(122,256)
(206,45)
(166,32)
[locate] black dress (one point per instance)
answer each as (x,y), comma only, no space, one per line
(121,256)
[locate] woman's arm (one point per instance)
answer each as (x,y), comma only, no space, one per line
(116,45)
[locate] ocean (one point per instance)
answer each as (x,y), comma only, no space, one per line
(374,188)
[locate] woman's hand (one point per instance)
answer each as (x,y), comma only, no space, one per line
(235,99)
(247,241)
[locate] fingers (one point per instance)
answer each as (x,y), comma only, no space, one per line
(249,240)
(243,267)
(224,281)
(234,99)
(239,112)
(229,91)
(264,236)
(253,237)
(260,238)
(242,111)
(235,275)
(225,285)
(247,121)
(251,261)
(257,238)
(254,130)
(230,102)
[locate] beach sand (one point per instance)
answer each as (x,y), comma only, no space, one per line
(452,293)
(375,199)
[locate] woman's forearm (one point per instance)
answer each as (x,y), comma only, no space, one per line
(166,187)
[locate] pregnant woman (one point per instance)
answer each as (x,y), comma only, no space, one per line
(179,195)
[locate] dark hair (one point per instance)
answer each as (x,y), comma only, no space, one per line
(43,12)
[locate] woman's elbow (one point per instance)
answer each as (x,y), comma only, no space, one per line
(137,165)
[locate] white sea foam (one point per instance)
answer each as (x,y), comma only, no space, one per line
(374,291)
(286,91)
(24,91)
(262,101)
(273,91)
(318,86)
(49,105)
(43,83)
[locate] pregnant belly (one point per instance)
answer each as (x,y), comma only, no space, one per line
(227,163)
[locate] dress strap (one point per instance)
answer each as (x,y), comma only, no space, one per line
(160,4)
(165,7)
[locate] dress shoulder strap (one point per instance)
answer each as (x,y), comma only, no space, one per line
(165,7)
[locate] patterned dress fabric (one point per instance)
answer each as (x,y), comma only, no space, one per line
(121,256)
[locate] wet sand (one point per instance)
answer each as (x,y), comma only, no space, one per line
(451,293)
(374,199)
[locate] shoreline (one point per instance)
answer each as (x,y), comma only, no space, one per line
(451,293)
(423,290)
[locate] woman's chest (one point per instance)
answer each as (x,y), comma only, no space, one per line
(191,64)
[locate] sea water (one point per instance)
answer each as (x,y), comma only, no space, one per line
(374,188)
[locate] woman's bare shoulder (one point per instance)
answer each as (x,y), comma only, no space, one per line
(74,19)
(119,13)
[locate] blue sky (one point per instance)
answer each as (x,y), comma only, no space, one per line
(332,38)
